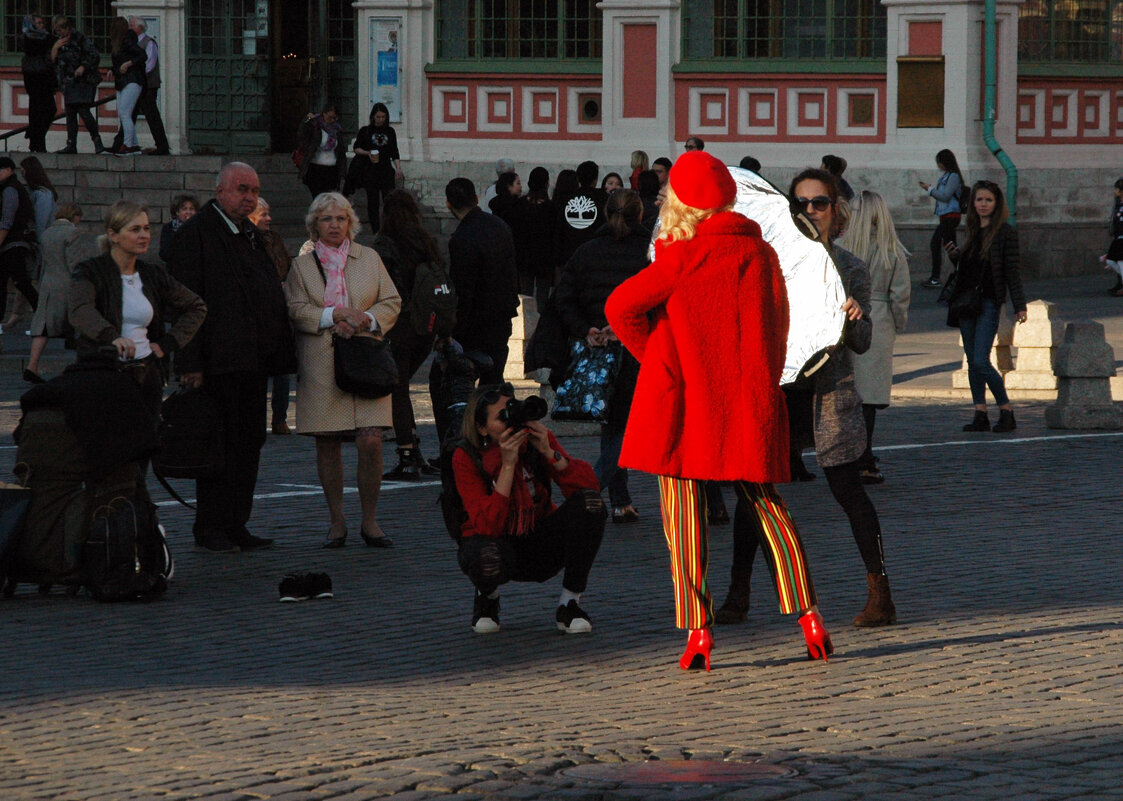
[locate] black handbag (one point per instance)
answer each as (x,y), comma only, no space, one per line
(364,365)
(192,441)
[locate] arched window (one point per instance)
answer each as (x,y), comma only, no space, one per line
(1070,31)
(91,17)
(783,30)
(518,30)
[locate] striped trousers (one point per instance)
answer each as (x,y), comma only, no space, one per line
(686,528)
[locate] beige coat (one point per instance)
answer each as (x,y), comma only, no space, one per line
(321,407)
(889,311)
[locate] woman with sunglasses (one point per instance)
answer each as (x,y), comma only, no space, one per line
(708,322)
(836,420)
(989,261)
(504,468)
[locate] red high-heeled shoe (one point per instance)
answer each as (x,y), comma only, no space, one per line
(818,640)
(698,644)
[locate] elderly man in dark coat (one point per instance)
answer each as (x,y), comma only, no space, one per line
(220,256)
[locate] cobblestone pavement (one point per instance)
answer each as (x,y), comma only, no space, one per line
(1002,679)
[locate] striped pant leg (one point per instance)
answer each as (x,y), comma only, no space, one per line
(780,540)
(683,503)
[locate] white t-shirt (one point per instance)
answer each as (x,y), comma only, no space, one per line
(321,156)
(136,314)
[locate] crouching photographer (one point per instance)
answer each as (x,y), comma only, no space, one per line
(512,531)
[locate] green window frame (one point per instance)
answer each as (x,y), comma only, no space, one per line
(1070,32)
(91,17)
(780,32)
(497,32)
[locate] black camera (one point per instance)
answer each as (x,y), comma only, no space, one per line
(518,413)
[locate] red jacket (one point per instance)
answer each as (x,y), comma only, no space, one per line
(491,514)
(708,403)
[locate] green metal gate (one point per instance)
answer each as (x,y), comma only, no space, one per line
(228,70)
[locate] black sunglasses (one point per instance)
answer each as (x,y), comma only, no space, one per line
(495,392)
(819,203)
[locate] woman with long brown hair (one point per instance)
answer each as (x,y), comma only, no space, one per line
(989,263)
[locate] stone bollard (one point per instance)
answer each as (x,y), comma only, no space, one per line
(1084,363)
(522,328)
(999,354)
(1036,340)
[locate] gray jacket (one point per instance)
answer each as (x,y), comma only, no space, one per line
(840,431)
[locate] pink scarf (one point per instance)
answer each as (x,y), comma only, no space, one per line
(333,261)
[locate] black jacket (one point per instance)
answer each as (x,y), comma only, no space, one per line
(484,271)
(533,227)
(1005,270)
(592,273)
(579,220)
(247,327)
(95,305)
(130,51)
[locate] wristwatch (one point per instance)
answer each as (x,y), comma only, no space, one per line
(557,458)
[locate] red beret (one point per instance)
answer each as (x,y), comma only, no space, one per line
(701,181)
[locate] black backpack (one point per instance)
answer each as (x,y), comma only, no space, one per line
(125,556)
(452,507)
(432,302)
(964,196)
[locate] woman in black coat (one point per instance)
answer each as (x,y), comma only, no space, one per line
(378,164)
(616,253)
(38,80)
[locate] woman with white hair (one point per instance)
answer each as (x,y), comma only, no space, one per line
(340,287)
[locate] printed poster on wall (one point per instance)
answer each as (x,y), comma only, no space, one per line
(384,33)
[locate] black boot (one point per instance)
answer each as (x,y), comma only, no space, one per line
(980,423)
(1005,421)
(407,469)
(736,606)
(71,148)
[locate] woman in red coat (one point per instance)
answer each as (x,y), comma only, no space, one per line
(708,321)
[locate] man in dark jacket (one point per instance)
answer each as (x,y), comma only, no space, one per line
(485,274)
(246,337)
(584,213)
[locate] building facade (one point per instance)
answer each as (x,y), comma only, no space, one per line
(884,83)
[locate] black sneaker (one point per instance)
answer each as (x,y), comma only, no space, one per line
(405,471)
(931,283)
(294,587)
(572,619)
(485,614)
(319,586)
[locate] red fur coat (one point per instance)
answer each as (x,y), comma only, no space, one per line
(708,403)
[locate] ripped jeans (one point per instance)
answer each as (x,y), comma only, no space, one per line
(567,539)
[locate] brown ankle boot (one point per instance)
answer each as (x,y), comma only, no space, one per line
(736,606)
(879,610)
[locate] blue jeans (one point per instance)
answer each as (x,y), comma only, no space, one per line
(978,338)
(610,474)
(126,102)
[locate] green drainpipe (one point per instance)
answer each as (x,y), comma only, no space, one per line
(989,91)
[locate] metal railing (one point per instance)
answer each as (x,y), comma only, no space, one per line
(57,117)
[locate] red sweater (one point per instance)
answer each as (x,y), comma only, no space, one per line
(708,321)
(491,514)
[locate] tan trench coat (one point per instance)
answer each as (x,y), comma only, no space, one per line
(889,311)
(321,407)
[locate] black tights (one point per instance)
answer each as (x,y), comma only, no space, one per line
(846,486)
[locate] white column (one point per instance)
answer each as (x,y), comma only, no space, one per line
(634,113)
(961,44)
(167,22)
(415,50)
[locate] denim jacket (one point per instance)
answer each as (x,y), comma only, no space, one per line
(946,193)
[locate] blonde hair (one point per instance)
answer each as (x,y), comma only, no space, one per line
(678,221)
(117,217)
(68,211)
(639,160)
(321,203)
(871,235)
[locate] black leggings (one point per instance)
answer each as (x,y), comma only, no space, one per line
(846,486)
(567,539)
(945,232)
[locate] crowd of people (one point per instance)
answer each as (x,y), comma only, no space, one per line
(59,59)
(234,308)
